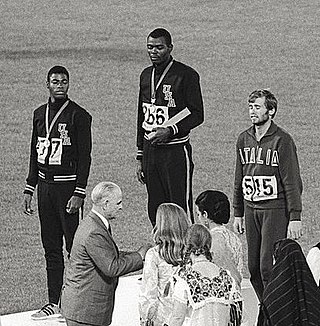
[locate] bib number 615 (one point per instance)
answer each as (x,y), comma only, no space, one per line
(256,188)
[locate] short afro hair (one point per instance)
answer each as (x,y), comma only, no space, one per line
(57,70)
(161,32)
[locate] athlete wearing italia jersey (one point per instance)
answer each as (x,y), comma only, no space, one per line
(170,105)
(267,187)
(60,161)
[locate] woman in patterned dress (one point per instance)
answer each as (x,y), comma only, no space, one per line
(213,210)
(203,292)
(161,262)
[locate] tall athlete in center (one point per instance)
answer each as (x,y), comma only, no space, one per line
(170,105)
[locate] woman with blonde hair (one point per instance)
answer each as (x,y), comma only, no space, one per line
(203,292)
(161,262)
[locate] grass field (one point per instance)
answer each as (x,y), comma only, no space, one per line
(236,46)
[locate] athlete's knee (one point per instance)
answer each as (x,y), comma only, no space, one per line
(54,259)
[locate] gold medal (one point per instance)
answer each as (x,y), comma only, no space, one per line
(46,143)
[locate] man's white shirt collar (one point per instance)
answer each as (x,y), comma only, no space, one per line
(102,218)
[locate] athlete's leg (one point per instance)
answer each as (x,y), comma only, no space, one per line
(176,168)
(274,228)
(253,235)
(156,195)
(69,222)
(52,240)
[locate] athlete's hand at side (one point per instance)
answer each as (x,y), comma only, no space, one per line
(74,204)
(161,135)
(294,230)
(27,204)
(139,172)
(149,322)
(238,224)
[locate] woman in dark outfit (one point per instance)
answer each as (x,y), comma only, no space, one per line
(291,296)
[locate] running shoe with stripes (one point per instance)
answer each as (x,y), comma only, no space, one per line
(48,311)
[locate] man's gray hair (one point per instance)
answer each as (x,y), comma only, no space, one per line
(102,191)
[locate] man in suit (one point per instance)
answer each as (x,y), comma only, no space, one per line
(96,263)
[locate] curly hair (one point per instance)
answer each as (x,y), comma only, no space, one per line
(57,70)
(161,32)
(216,204)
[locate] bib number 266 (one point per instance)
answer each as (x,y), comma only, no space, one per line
(154,116)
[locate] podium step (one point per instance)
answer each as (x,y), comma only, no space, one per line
(126,307)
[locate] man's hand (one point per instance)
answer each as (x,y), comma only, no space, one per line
(161,135)
(139,172)
(143,250)
(27,204)
(238,224)
(294,230)
(74,204)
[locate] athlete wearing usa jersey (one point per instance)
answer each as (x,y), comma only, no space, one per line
(60,161)
(168,89)
(267,187)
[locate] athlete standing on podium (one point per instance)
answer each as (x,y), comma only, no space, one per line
(267,187)
(164,158)
(60,160)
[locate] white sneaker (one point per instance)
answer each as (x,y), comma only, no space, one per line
(48,311)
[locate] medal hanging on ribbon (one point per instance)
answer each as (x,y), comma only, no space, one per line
(55,118)
(154,89)
(46,143)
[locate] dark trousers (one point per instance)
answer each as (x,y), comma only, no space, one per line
(168,171)
(55,223)
(263,228)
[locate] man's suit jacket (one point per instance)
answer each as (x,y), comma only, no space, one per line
(93,271)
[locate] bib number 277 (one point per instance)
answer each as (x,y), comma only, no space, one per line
(55,150)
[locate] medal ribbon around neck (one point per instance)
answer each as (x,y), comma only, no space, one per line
(154,89)
(49,127)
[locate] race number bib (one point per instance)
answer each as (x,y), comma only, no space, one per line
(42,149)
(54,151)
(257,188)
(154,116)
